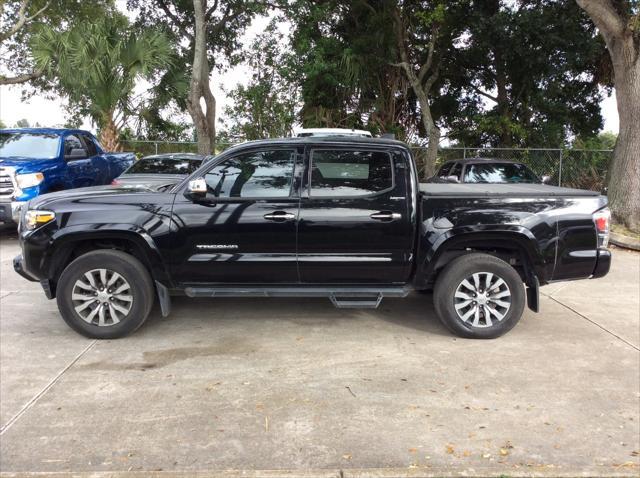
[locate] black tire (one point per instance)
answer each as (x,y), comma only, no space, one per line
(134,273)
(452,277)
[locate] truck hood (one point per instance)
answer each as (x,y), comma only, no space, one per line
(27,165)
(46,200)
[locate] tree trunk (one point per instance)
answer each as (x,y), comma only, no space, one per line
(109,135)
(433,132)
(624,48)
(204,119)
(624,173)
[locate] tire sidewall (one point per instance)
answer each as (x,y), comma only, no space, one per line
(459,270)
(125,265)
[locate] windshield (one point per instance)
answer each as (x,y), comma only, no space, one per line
(164,166)
(29,145)
(499,173)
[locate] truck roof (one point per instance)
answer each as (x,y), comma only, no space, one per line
(57,131)
(337,140)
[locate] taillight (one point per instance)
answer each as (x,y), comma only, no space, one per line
(115,182)
(602,220)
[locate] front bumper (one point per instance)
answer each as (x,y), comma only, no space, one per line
(18,266)
(603,263)
(10,211)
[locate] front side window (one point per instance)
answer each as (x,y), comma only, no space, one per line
(259,174)
(444,170)
(456,170)
(350,173)
(499,173)
(29,145)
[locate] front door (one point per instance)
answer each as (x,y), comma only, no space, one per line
(356,224)
(244,232)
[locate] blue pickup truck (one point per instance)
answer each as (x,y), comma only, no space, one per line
(35,161)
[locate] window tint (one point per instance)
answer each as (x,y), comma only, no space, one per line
(349,173)
(444,170)
(72,142)
(164,166)
(256,174)
(90,146)
(456,170)
(499,173)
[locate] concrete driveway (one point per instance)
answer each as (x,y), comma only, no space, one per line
(304,389)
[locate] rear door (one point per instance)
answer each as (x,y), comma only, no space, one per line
(355,225)
(80,169)
(98,161)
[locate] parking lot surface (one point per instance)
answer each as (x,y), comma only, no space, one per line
(296,386)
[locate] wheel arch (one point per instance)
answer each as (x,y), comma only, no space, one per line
(518,247)
(71,242)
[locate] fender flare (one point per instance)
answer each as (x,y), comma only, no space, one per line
(521,237)
(123,231)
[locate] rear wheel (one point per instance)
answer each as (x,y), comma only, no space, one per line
(105,294)
(479,296)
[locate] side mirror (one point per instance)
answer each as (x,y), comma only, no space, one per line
(76,153)
(452,179)
(196,189)
(546,179)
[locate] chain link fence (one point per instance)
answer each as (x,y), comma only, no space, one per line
(576,168)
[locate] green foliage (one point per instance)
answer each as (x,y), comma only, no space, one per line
(96,65)
(22,123)
(2,125)
(603,141)
(343,53)
(227,21)
(529,75)
(16,56)
(265,107)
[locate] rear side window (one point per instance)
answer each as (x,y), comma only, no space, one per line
(259,174)
(89,145)
(350,173)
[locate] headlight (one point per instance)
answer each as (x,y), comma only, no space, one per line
(29,180)
(35,218)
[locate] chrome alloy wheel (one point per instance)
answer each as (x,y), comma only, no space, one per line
(482,298)
(102,297)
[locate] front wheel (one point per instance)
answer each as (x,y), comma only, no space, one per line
(479,296)
(105,294)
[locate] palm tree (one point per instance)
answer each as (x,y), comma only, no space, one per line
(96,66)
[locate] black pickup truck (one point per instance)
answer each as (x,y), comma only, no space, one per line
(344,218)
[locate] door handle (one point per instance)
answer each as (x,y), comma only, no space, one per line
(385,216)
(279,216)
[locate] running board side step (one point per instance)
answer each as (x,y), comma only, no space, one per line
(351,302)
(341,297)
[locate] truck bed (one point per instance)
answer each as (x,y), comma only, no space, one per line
(499,190)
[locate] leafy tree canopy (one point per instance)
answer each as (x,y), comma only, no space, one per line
(266,106)
(96,65)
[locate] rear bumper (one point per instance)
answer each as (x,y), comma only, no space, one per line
(603,263)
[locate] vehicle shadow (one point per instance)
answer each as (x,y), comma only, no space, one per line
(414,312)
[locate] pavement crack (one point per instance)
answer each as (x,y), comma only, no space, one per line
(46,388)
(592,321)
